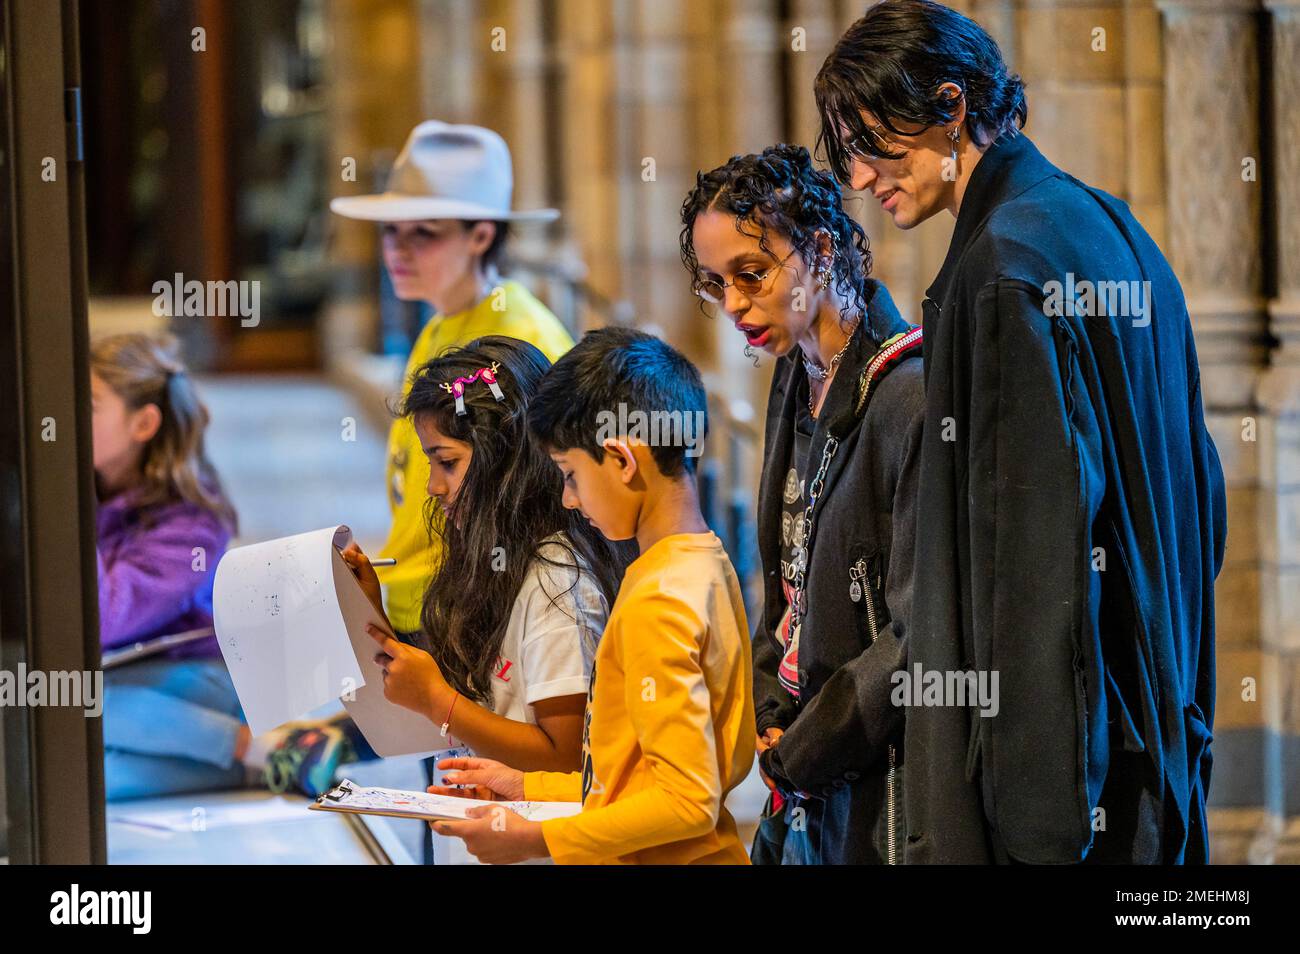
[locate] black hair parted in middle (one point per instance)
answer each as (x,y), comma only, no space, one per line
(892,63)
(610,367)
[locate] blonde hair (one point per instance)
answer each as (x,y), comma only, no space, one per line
(145,369)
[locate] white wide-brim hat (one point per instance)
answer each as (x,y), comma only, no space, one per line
(445,171)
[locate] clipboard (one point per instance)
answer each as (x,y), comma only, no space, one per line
(350,798)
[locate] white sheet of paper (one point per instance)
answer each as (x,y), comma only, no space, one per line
(430,805)
(291,622)
(390,729)
(279,626)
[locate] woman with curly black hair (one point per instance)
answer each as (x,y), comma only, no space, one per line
(767,241)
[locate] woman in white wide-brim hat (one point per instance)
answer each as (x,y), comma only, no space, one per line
(445,217)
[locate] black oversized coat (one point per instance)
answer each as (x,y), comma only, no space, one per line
(1070,528)
(838,738)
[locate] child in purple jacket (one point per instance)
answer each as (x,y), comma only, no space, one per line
(172,723)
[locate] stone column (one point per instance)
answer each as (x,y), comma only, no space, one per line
(1144,116)
(592,54)
(516,92)
(1215,244)
(374,103)
(451,52)
(1279,465)
(1073,66)
(819,29)
(752,41)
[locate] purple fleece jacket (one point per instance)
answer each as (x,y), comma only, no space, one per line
(152,582)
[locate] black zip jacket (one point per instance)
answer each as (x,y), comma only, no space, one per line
(1071,523)
(840,737)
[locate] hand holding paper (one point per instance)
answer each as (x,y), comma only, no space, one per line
(368,580)
(291,622)
(412,678)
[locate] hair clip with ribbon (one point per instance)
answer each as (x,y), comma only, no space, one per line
(487,375)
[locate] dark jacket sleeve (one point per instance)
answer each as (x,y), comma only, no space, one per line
(846,728)
(773,704)
(1035,484)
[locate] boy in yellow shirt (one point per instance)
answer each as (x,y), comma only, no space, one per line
(670,714)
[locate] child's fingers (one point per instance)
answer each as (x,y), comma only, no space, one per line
(465,762)
(383,638)
(452,828)
(464,777)
(353,556)
(446,790)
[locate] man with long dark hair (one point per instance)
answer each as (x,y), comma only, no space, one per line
(1071,502)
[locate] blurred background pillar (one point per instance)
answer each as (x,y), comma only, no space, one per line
(1216,246)
(595,133)
(750,43)
(1279,463)
(374,103)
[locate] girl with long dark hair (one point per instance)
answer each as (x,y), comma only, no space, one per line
(511,618)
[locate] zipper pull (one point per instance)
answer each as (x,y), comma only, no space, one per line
(857,573)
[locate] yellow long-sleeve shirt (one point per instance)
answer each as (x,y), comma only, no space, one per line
(509,310)
(670,718)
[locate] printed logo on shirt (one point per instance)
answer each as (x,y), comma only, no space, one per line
(503,668)
(589,783)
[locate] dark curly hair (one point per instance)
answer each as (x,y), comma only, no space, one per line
(780,189)
(892,61)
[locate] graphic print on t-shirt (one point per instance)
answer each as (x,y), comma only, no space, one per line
(589,782)
(792,539)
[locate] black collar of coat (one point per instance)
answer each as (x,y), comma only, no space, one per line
(1009,167)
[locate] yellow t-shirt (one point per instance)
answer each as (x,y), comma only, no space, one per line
(511,310)
(670,718)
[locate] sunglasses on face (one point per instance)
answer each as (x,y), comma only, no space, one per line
(748,283)
(875,143)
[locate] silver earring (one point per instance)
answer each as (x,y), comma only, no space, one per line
(824,278)
(954,134)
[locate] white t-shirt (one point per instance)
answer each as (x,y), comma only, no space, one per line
(548,648)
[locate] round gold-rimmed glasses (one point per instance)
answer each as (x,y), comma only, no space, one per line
(747,283)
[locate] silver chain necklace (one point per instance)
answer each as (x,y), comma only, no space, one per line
(820,374)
